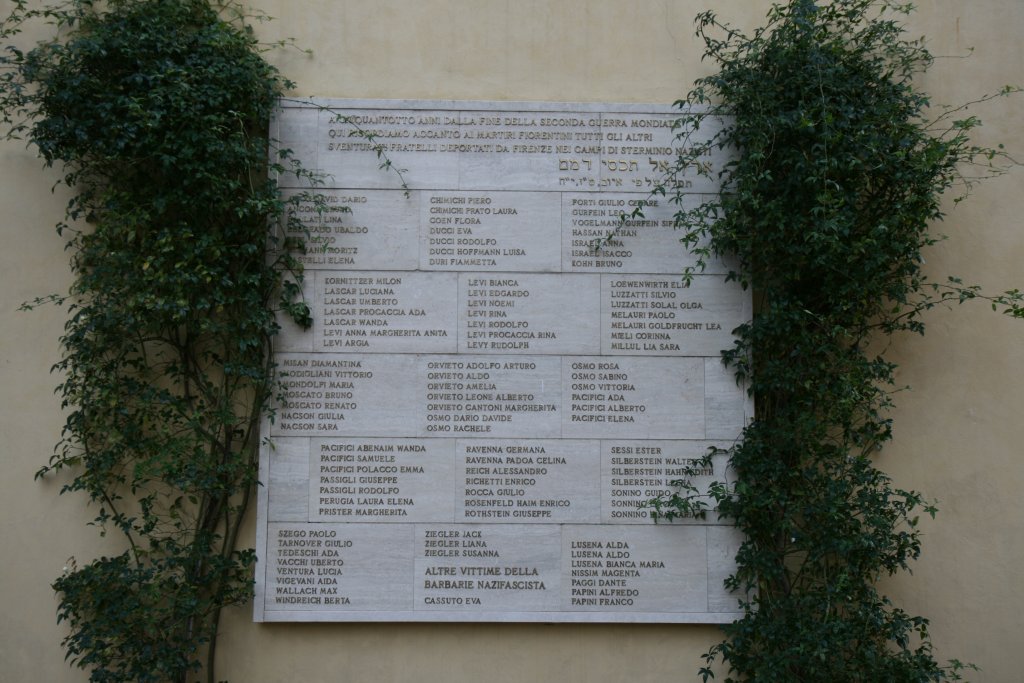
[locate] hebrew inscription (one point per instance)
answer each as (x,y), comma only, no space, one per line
(472,426)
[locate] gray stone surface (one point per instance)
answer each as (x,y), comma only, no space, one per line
(384,312)
(484,403)
(368,480)
(549,481)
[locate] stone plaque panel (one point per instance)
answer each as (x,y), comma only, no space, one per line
(506,568)
(423,144)
(371,480)
(537,481)
(489,231)
(661,316)
(331,567)
(384,312)
(646,569)
(472,427)
(650,239)
(360,230)
(530,314)
(635,471)
(616,397)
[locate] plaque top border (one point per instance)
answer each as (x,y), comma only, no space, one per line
(484,105)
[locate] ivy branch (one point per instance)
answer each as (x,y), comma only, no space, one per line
(156,111)
(835,176)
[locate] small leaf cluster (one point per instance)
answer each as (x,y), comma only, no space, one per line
(835,175)
(157,112)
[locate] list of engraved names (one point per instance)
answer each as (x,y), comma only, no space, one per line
(485,402)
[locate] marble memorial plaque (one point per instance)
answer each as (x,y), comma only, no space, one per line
(472,427)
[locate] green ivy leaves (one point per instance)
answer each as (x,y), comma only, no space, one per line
(827,205)
(157,110)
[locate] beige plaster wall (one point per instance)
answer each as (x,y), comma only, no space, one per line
(959,432)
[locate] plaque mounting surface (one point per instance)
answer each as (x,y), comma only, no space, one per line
(483,403)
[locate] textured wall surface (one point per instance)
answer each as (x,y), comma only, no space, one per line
(959,434)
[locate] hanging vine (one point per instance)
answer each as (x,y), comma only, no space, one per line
(157,112)
(835,178)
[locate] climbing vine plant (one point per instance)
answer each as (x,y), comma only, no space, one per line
(836,175)
(157,112)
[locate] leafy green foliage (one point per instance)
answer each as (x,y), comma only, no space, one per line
(157,110)
(826,209)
